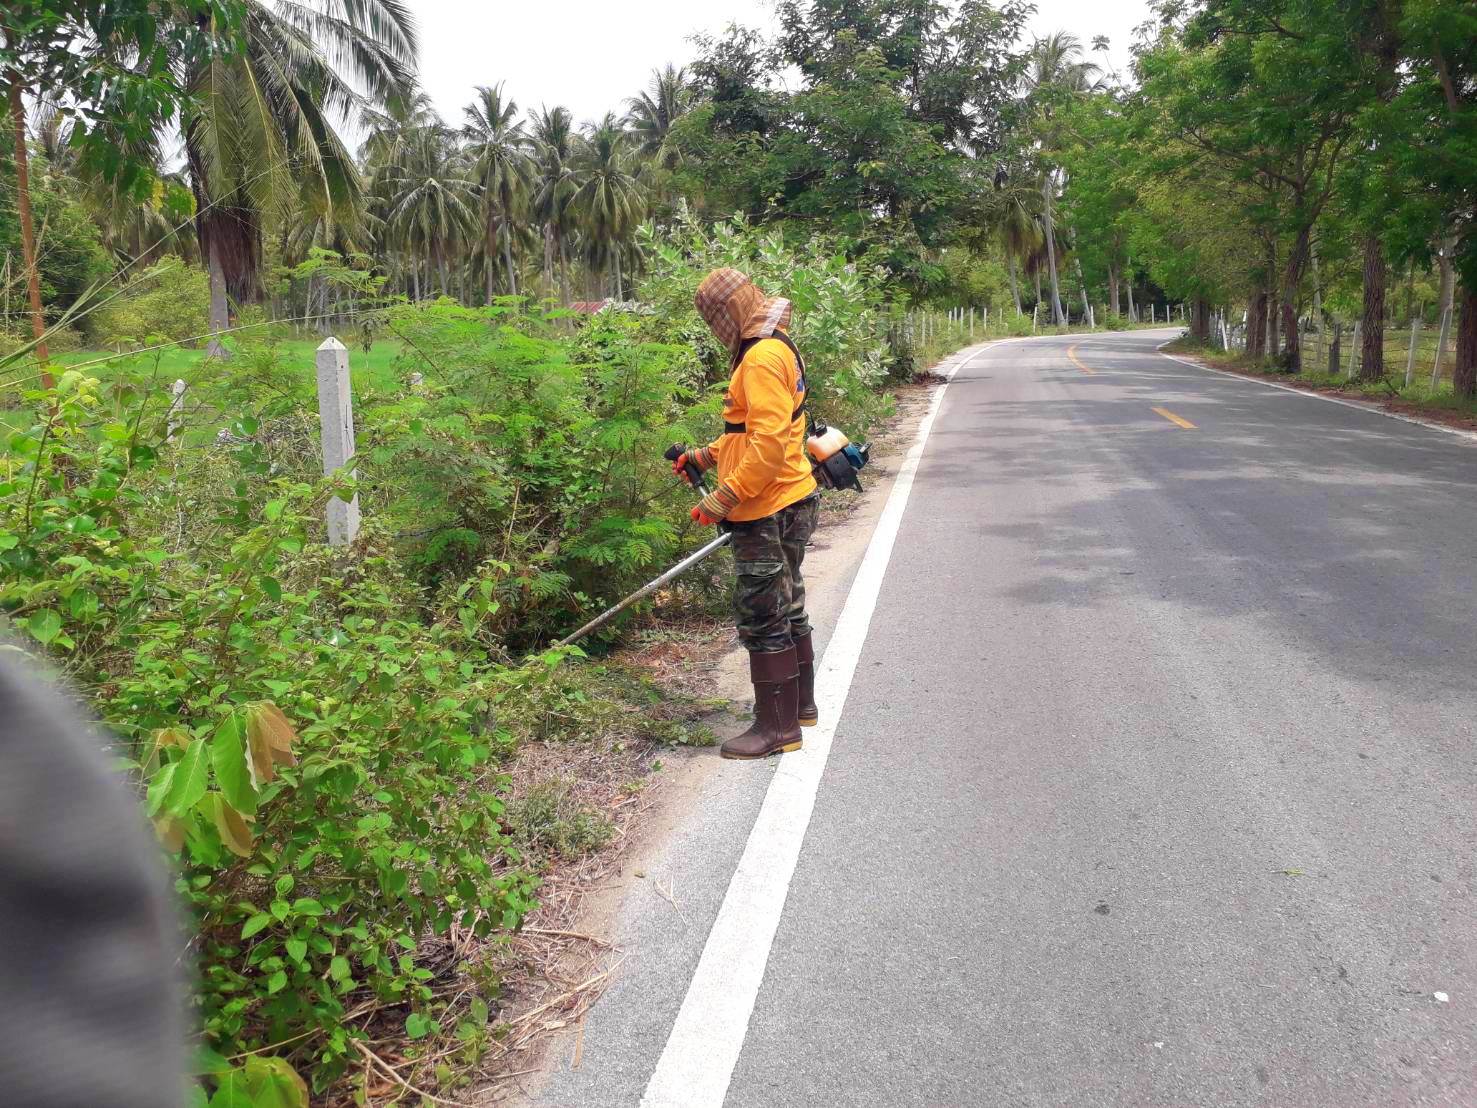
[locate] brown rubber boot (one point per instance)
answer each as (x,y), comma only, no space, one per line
(805,655)
(776,726)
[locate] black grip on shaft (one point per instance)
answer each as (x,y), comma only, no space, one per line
(695,475)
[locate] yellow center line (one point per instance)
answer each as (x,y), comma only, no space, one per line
(1076,361)
(1176,420)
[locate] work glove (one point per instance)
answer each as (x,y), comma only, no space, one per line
(714,507)
(701,457)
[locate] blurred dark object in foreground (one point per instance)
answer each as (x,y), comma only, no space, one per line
(90,952)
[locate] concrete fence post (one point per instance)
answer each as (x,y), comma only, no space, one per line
(176,410)
(336,417)
(1415,334)
(1440,348)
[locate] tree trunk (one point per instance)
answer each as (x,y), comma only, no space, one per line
(1292,275)
(548,259)
(564,270)
(489,255)
(1372,353)
(1132,311)
(1256,325)
(1334,354)
(1086,303)
(1015,292)
(1464,375)
(28,229)
(220,307)
(1444,315)
(1200,320)
(415,281)
(620,292)
(508,262)
(1317,291)
(1038,284)
(1113,289)
(1057,315)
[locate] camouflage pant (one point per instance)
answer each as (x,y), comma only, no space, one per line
(769,598)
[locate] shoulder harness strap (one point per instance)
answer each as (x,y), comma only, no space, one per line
(744,348)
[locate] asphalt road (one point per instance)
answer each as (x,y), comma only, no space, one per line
(1157,780)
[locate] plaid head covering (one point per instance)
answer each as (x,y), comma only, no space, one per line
(736,309)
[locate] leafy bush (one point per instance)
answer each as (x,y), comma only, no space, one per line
(841,312)
(324,761)
(170,301)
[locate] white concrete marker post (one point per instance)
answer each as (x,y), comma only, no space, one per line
(1440,348)
(1415,334)
(336,416)
(176,405)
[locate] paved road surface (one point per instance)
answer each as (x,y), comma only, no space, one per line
(1157,780)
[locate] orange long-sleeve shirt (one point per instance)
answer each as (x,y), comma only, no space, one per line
(765,465)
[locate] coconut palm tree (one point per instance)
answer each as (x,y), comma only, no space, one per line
(504,174)
(608,199)
(651,114)
(262,126)
(1055,67)
(555,183)
(432,208)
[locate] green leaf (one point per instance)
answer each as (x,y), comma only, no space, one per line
(338,969)
(297,949)
(255,924)
(228,757)
(307,906)
(273,509)
(44,625)
(418,1026)
(208,1061)
(159,788)
(188,783)
(272,588)
(277,982)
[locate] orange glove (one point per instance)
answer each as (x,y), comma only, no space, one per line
(715,507)
(702,458)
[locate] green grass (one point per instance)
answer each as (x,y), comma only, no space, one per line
(372,371)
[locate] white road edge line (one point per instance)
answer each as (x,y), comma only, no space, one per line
(703,1047)
(1430,425)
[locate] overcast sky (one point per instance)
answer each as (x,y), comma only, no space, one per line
(591,55)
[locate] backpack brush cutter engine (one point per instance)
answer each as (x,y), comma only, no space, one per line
(835,460)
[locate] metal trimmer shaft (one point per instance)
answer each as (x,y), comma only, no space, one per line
(647,589)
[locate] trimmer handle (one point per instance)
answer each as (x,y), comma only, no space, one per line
(694,475)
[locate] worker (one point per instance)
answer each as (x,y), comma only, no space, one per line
(767,498)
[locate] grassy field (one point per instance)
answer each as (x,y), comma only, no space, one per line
(372,370)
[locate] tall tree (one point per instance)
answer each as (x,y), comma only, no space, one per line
(503,170)
(553,134)
(433,205)
(651,114)
(109,65)
(608,197)
(262,128)
(1057,71)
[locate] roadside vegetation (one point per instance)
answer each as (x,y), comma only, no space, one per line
(367,763)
